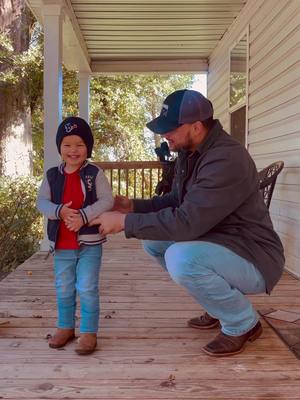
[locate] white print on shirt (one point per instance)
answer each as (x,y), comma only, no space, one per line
(89,182)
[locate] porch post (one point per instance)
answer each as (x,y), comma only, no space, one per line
(84,95)
(52,80)
(52,14)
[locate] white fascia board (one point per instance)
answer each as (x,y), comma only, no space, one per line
(75,53)
(150,66)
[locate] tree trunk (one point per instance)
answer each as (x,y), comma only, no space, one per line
(15,114)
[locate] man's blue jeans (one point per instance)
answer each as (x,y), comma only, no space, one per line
(216,277)
(77,272)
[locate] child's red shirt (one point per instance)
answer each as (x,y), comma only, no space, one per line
(67,240)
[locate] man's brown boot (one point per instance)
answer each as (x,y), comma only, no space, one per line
(87,343)
(224,345)
(61,338)
(205,321)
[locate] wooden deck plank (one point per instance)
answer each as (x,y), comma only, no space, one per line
(164,388)
(146,351)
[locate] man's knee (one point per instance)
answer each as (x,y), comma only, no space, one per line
(183,265)
(155,248)
(149,247)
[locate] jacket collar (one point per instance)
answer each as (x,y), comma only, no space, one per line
(61,167)
(212,135)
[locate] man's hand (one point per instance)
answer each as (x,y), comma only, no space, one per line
(74,222)
(123,204)
(67,212)
(111,222)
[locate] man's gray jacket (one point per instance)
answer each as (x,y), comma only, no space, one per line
(215,198)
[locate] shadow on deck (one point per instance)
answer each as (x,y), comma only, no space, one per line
(145,349)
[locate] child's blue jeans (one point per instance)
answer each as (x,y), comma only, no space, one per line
(77,272)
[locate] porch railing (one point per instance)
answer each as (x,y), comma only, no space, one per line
(134,179)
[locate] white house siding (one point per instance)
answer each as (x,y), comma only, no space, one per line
(273,104)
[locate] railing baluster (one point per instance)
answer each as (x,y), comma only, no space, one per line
(141,184)
(150,190)
(119,181)
(127,182)
(134,184)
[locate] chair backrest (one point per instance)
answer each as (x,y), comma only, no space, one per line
(267,180)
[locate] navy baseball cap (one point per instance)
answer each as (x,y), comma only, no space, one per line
(181,107)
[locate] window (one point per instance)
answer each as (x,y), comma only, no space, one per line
(238,90)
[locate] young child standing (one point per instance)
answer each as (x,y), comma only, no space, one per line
(72,195)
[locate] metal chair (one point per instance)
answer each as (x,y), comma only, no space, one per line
(267,180)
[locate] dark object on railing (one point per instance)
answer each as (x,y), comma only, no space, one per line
(163,152)
(168,168)
(165,184)
(267,180)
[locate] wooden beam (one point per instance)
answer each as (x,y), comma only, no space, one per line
(150,66)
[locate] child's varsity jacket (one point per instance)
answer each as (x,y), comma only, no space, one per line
(97,199)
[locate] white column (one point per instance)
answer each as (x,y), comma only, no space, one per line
(52,81)
(52,87)
(84,95)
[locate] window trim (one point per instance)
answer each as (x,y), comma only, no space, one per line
(236,107)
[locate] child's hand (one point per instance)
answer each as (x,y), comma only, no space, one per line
(67,212)
(123,204)
(74,222)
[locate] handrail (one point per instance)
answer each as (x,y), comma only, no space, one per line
(136,179)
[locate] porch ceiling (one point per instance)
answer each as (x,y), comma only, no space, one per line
(143,35)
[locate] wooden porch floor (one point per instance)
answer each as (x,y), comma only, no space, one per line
(146,351)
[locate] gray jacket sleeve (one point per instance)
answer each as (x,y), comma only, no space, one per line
(221,186)
(44,203)
(105,199)
(156,203)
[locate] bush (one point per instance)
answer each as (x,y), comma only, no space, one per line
(21,225)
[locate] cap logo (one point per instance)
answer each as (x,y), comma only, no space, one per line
(164,110)
(69,127)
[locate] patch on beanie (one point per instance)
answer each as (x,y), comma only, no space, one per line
(69,127)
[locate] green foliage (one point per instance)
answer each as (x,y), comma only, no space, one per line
(22,73)
(237,88)
(25,65)
(120,106)
(119,109)
(21,226)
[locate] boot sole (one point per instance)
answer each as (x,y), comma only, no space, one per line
(85,352)
(252,338)
(214,325)
(58,346)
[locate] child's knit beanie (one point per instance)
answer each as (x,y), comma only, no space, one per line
(75,126)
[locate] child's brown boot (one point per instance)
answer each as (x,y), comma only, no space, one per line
(61,338)
(86,344)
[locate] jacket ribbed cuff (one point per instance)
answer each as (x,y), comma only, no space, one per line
(83,216)
(57,211)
